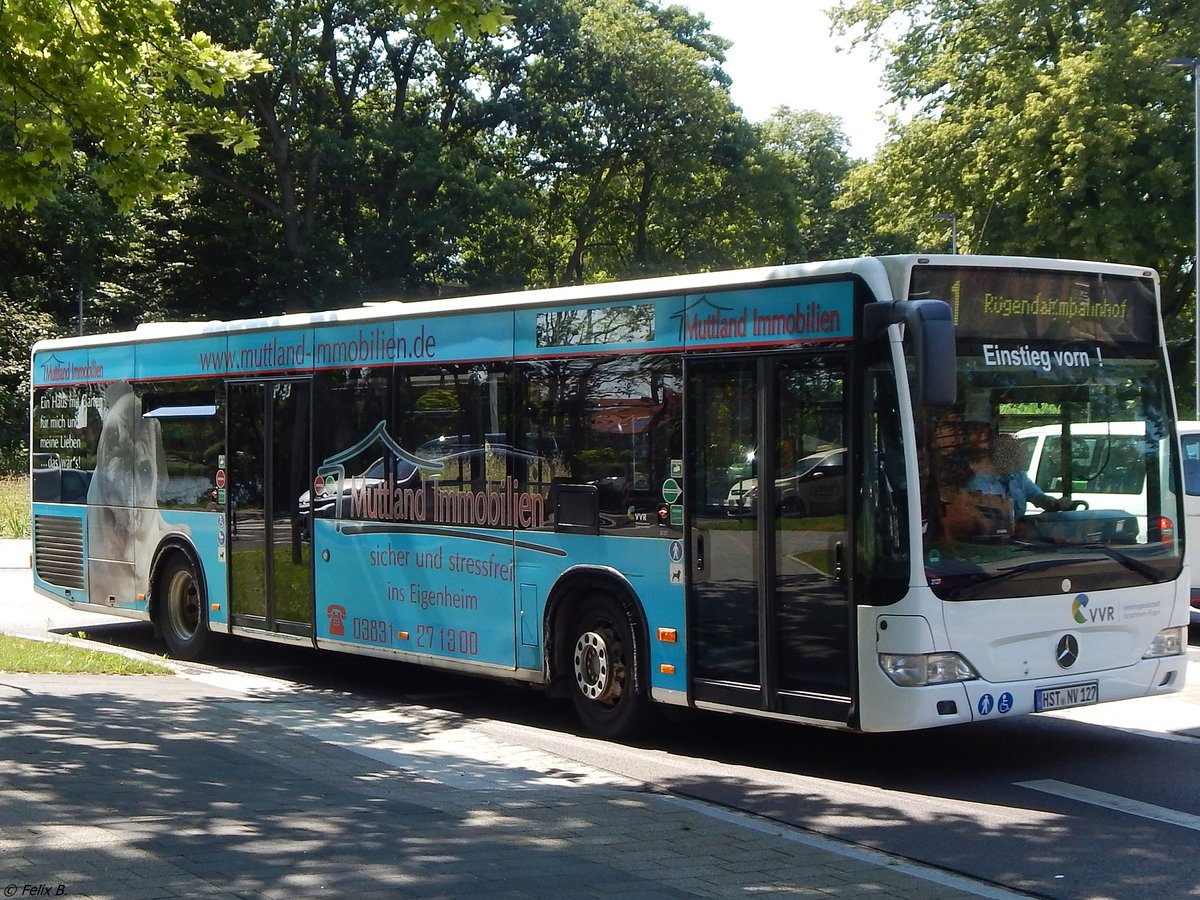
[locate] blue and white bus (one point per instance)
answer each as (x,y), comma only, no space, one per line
(765,491)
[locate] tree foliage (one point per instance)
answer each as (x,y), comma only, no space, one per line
(584,140)
(368,125)
(1050,129)
(626,114)
(106,85)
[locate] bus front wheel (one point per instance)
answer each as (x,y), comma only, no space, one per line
(181,610)
(604,688)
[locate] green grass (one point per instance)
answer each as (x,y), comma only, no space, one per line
(14,507)
(293,583)
(46,658)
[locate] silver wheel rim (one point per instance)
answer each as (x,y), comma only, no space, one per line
(596,667)
(183,605)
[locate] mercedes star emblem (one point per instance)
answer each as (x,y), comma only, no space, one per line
(1067,651)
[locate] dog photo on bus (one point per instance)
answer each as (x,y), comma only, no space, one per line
(124,521)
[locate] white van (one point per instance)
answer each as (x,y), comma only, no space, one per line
(1109,472)
(1189,446)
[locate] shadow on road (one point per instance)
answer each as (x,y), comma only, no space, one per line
(768,768)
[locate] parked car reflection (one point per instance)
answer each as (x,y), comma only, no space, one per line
(813,486)
(401,471)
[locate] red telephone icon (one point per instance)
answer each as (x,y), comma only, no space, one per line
(337,620)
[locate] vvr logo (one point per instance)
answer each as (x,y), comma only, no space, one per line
(1078,607)
(1102,614)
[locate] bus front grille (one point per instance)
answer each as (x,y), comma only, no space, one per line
(58,550)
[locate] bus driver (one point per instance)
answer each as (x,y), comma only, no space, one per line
(1005,477)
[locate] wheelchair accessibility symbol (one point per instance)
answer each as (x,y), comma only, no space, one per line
(1005,703)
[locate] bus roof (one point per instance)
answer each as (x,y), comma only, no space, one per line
(885,276)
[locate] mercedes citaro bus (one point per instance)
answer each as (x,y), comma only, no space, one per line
(283,478)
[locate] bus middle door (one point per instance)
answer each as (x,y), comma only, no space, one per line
(268,436)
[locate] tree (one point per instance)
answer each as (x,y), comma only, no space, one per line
(107,86)
(32,251)
(583,140)
(394,163)
(1048,128)
(629,110)
(354,120)
(799,170)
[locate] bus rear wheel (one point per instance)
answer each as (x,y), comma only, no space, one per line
(604,688)
(181,610)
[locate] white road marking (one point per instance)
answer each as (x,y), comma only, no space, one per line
(1114,802)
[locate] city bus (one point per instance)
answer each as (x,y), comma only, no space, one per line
(762,492)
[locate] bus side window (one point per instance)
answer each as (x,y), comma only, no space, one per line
(1191,476)
(1191,464)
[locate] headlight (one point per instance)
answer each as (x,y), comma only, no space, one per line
(1168,642)
(916,669)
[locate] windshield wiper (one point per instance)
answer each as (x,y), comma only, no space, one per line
(1130,562)
(953,593)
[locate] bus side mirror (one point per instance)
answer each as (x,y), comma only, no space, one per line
(930,330)
(576,508)
(931,327)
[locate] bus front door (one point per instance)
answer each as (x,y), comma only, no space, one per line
(767,504)
(269,444)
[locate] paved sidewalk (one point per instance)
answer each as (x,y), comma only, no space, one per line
(212,783)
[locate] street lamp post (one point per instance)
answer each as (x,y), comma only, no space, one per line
(1192,63)
(953,217)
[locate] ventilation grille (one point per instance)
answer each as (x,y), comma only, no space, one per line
(58,550)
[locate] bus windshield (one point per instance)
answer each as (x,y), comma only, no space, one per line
(1054,469)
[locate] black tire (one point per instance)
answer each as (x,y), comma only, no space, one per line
(604,689)
(793,507)
(182,610)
